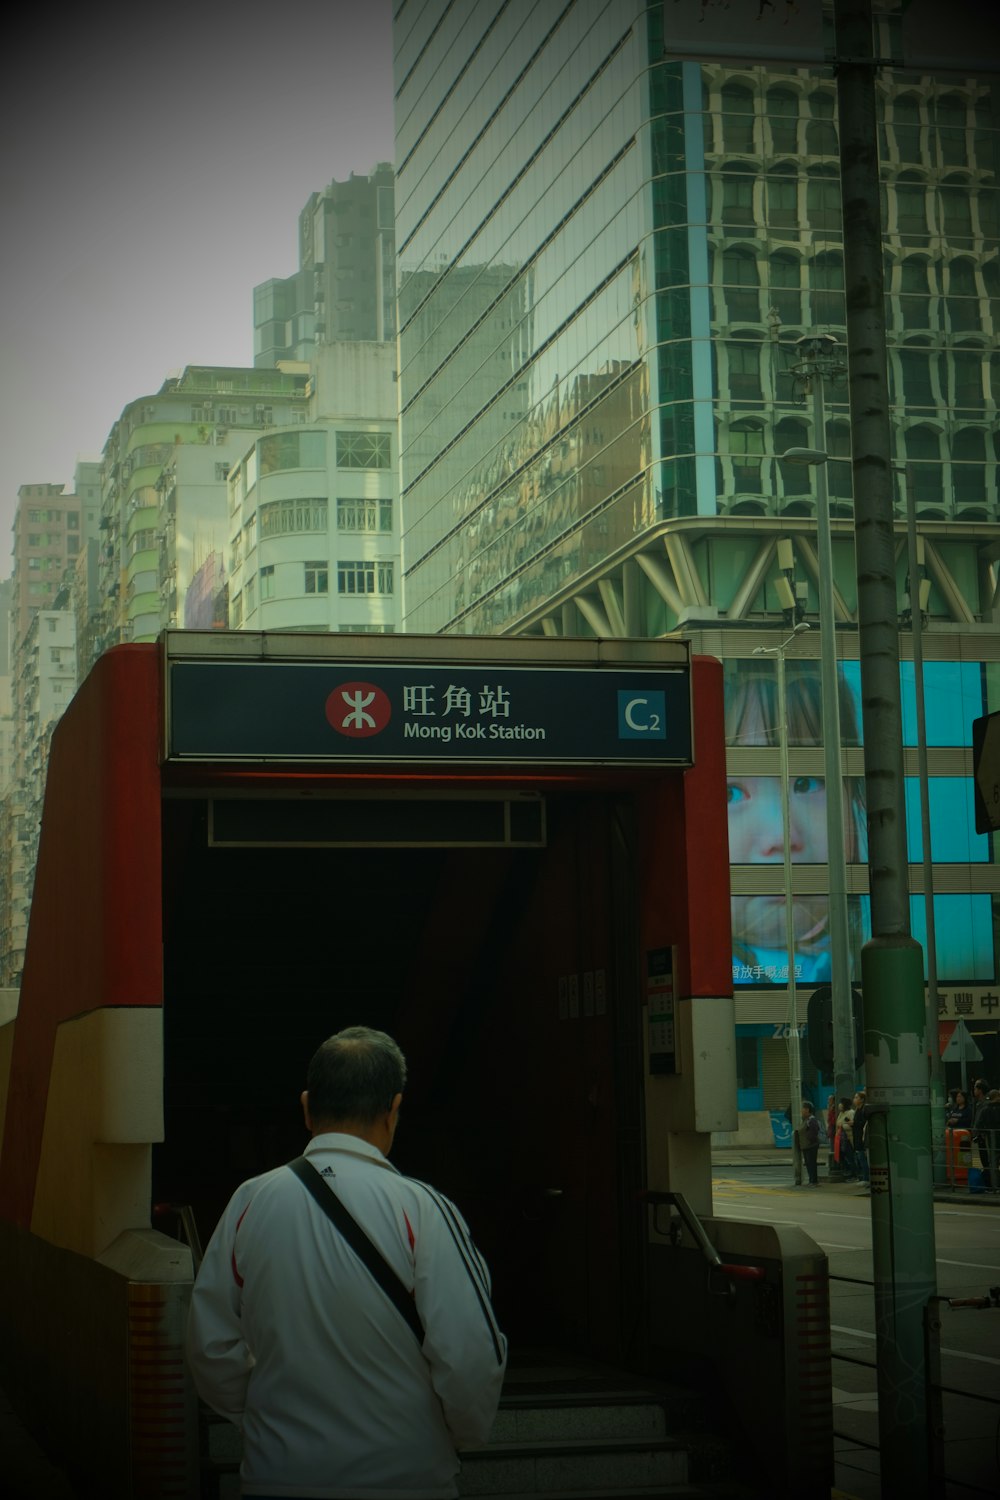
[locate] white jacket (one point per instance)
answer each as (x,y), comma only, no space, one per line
(291,1338)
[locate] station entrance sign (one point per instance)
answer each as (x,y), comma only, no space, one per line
(397,711)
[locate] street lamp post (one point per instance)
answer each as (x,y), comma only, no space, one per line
(819,360)
(918,590)
(794,1042)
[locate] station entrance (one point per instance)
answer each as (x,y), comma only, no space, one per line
(510,855)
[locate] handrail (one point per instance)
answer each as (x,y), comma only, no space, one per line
(696,1230)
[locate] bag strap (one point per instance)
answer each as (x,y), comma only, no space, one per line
(359,1242)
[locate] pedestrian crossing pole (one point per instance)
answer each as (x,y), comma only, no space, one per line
(891,963)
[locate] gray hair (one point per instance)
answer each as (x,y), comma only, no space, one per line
(355,1075)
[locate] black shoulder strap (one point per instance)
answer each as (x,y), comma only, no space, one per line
(359,1242)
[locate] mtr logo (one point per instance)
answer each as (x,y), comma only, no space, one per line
(358,709)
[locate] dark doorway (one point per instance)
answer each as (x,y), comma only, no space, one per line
(507,977)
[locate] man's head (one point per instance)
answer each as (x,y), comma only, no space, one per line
(980,1088)
(354,1085)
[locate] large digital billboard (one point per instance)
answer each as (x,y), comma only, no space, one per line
(963,920)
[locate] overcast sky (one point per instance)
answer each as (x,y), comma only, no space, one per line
(154,163)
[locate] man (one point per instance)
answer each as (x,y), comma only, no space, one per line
(980,1106)
(859,1134)
(291,1337)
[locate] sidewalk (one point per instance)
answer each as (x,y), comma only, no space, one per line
(736,1157)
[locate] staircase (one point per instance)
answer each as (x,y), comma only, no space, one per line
(571,1428)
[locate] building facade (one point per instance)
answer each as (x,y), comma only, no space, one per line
(345,286)
(164,513)
(314,538)
(627,244)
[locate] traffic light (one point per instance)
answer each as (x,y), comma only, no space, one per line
(819,1037)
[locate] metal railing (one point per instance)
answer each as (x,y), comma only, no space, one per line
(972,1158)
(934,1313)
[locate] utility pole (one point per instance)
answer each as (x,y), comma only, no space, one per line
(892,963)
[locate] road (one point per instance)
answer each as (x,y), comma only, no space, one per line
(967,1239)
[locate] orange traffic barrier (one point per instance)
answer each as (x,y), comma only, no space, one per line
(958,1153)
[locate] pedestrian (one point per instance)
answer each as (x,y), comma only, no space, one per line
(859,1136)
(807,1137)
(344,1384)
(831,1122)
(845,1144)
(960,1115)
(989,1129)
(980,1115)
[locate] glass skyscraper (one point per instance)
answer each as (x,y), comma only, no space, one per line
(607,256)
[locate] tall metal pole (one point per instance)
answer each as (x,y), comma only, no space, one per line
(938,1111)
(794,1044)
(892,966)
(794,1041)
(840,948)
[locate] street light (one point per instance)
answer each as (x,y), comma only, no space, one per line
(918,589)
(819,360)
(794,1046)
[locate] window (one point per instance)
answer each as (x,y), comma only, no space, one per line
(914,301)
(962,301)
(956,205)
(785,276)
(236,611)
(364,515)
(918,389)
(911,206)
(739,272)
(838,469)
(823,202)
(744,371)
(906,128)
(291,450)
(796,479)
(73,520)
(783,114)
(363,450)
(783,198)
(949,115)
(737,118)
(267,582)
(821,133)
(967,371)
(317,578)
(924,467)
(284,517)
(746,445)
(365,578)
(737,199)
(827,281)
(250,596)
(968,471)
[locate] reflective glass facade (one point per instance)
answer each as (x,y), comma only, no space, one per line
(604,262)
(605,259)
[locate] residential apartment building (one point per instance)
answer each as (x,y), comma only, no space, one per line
(627,242)
(164,511)
(344,288)
(49,527)
(313,537)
